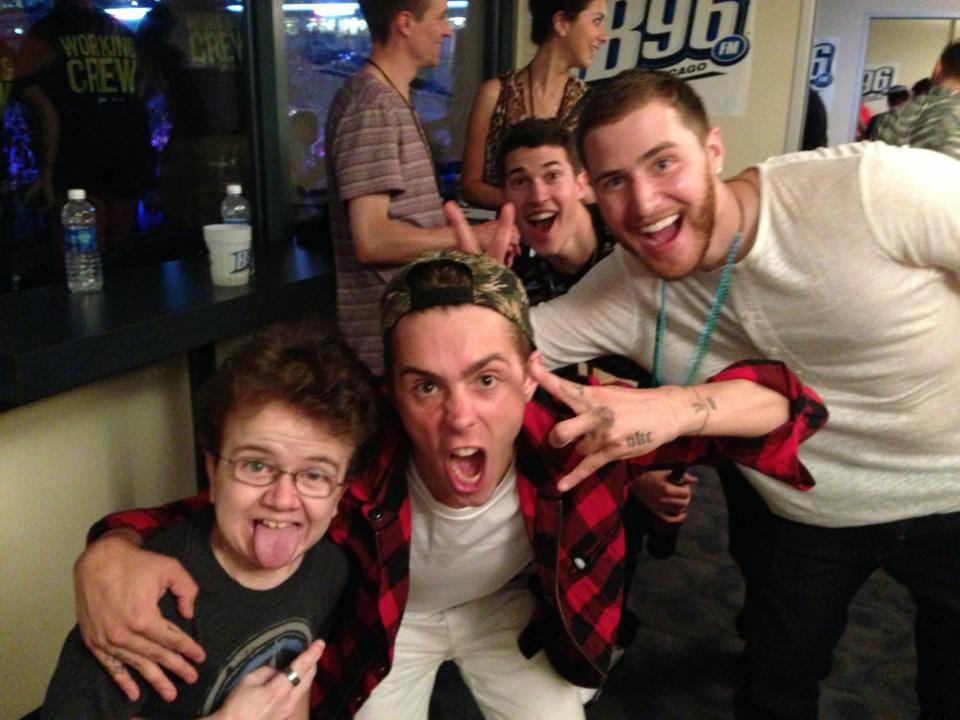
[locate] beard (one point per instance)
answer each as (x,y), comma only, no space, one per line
(699,222)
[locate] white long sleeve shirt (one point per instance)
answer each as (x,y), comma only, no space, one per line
(854,282)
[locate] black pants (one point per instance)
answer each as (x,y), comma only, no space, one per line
(748,523)
(803,586)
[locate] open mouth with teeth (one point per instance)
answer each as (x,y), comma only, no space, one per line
(274,541)
(465,468)
(542,221)
(663,230)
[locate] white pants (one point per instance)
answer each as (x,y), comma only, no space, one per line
(481,638)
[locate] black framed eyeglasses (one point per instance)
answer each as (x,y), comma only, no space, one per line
(310,482)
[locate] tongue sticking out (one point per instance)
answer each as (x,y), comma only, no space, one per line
(274,546)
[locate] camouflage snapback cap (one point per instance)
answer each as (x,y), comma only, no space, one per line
(492,285)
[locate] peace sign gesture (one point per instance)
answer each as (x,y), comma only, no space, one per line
(614,423)
(611,422)
(497,239)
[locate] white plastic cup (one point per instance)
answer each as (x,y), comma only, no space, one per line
(230,256)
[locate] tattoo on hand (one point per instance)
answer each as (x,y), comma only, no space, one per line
(606,416)
(115,667)
(639,438)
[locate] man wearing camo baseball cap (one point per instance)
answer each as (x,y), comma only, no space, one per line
(479,281)
(483,507)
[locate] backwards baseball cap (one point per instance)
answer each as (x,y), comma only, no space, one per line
(487,284)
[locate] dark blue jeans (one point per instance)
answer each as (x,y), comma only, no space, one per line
(806,578)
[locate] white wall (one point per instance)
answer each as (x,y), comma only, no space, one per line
(910,46)
(67,461)
(772,122)
(847,22)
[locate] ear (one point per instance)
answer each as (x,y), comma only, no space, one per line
(529,384)
(937,76)
(210,463)
(341,491)
(715,150)
(583,184)
(404,22)
(561,23)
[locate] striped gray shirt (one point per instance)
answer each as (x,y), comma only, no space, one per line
(373,146)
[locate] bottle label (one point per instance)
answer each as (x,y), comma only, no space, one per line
(81,239)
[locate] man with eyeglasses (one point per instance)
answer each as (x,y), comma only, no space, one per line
(279,425)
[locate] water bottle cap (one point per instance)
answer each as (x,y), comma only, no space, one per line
(76,194)
(234,189)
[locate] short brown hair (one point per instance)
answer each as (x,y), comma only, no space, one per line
(302,364)
(634,89)
(533,133)
(379,14)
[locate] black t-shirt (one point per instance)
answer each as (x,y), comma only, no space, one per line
(86,64)
(240,629)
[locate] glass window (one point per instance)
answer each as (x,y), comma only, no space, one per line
(326,42)
(157,117)
(143,104)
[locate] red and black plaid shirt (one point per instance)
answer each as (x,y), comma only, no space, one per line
(577,540)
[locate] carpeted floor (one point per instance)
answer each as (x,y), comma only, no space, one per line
(685,662)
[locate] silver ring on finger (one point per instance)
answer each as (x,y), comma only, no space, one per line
(293,676)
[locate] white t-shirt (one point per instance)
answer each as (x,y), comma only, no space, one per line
(854,282)
(461,554)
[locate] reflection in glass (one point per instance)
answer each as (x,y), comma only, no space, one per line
(143,104)
(192,71)
(327,42)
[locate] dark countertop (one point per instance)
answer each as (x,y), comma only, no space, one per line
(52,340)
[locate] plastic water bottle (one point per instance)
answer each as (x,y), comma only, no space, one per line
(235,208)
(84,270)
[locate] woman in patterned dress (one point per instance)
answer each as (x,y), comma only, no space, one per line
(567,34)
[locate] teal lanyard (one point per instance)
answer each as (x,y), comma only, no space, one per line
(703,342)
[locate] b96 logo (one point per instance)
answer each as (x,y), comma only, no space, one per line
(692,35)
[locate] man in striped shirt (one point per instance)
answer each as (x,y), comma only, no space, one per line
(385,206)
(931,120)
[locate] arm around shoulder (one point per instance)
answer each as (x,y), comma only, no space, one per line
(117,588)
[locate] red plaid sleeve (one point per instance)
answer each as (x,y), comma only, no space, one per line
(775,454)
(149,521)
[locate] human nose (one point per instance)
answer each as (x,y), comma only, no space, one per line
(459,411)
(643,196)
(282,493)
(538,191)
